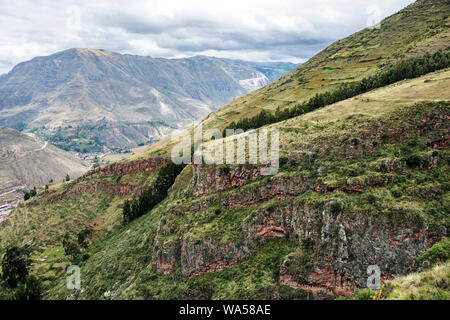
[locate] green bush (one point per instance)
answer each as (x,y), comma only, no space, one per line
(225,168)
(31,290)
(439,252)
(413,160)
(397,193)
(15,264)
(364,294)
(337,207)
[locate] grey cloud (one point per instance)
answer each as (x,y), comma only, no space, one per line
(291,30)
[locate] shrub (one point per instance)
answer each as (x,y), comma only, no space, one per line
(15,264)
(364,294)
(439,252)
(31,290)
(33,192)
(413,160)
(337,206)
(225,168)
(283,161)
(372,199)
(397,193)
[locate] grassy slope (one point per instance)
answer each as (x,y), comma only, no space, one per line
(431,284)
(43,225)
(122,263)
(122,260)
(411,32)
(415,30)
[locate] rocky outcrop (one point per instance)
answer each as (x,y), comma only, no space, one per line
(209,179)
(84,185)
(344,245)
(148,166)
(198,257)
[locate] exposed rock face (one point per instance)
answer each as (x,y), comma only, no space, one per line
(205,256)
(121,168)
(84,185)
(344,244)
(209,179)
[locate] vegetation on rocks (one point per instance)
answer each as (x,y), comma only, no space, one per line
(363,181)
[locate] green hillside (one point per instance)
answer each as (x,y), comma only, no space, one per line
(419,28)
(362,182)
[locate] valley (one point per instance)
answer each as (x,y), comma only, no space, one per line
(89,100)
(362,181)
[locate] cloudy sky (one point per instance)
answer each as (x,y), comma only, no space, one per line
(259,30)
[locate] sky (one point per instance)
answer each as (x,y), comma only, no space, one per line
(254,30)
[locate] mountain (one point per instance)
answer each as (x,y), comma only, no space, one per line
(419,28)
(97,97)
(362,182)
(26,162)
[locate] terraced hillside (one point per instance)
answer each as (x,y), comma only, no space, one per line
(361,182)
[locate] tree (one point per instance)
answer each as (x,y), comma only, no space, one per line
(126,212)
(83,236)
(71,249)
(15,265)
(31,290)
(152,196)
(67,177)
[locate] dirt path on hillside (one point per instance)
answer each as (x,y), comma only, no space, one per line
(14,190)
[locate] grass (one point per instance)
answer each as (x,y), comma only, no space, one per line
(380,144)
(430,284)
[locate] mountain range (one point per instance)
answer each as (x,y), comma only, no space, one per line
(362,185)
(86,99)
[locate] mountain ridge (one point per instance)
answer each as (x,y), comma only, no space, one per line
(362,182)
(143,97)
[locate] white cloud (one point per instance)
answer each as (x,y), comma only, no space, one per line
(289,30)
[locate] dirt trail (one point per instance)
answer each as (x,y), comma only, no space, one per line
(13,190)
